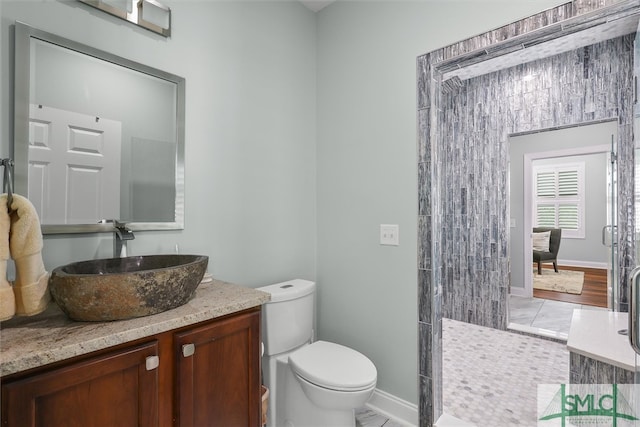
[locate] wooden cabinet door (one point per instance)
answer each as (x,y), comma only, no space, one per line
(114,389)
(218,373)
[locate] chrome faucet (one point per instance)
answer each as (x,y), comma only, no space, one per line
(120,236)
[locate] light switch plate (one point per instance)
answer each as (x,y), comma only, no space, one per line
(389,234)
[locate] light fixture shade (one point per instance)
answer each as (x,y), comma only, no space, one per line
(125,5)
(149,14)
(156,14)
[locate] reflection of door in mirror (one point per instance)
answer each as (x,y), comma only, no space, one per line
(152,189)
(83,153)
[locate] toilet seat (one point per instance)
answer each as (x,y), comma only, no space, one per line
(334,367)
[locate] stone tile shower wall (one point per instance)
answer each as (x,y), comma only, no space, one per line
(588,84)
(434,226)
(429,254)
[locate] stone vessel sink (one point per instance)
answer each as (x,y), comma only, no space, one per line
(122,288)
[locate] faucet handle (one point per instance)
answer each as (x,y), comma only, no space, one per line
(123,232)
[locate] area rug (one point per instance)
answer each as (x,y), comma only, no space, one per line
(567,281)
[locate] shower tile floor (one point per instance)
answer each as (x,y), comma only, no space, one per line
(490,377)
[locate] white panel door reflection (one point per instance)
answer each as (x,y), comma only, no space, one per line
(81,151)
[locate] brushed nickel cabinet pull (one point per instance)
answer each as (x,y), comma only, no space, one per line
(188,350)
(152,362)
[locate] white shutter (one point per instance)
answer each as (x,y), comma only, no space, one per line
(568,184)
(546,184)
(546,215)
(559,198)
(569,216)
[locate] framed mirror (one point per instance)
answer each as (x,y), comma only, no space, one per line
(96,137)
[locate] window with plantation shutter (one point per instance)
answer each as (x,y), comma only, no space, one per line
(559,198)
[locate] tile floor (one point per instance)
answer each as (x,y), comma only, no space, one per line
(368,418)
(544,314)
(490,377)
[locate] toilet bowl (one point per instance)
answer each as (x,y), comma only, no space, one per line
(334,376)
(311,383)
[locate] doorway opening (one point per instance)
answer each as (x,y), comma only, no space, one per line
(464,227)
(564,181)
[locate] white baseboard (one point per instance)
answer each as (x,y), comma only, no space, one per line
(518,292)
(396,409)
(584,264)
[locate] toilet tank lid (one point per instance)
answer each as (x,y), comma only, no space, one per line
(289,290)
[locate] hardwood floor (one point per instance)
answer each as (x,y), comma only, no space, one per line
(594,291)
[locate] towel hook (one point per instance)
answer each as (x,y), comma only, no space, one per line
(7,181)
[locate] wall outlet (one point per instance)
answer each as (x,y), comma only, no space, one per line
(389,234)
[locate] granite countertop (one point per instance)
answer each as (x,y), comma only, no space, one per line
(594,333)
(30,342)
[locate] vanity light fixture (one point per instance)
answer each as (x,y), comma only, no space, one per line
(149,14)
(124,5)
(153,13)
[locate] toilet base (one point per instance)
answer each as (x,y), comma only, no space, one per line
(296,402)
(301,412)
(290,407)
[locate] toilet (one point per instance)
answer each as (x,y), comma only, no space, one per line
(311,383)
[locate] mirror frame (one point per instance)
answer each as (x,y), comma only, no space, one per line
(23,35)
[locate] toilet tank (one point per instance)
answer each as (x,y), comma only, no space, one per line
(287,320)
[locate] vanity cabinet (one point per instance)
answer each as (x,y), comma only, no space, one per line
(115,389)
(206,374)
(217,384)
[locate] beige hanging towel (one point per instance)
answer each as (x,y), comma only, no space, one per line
(7,299)
(25,242)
